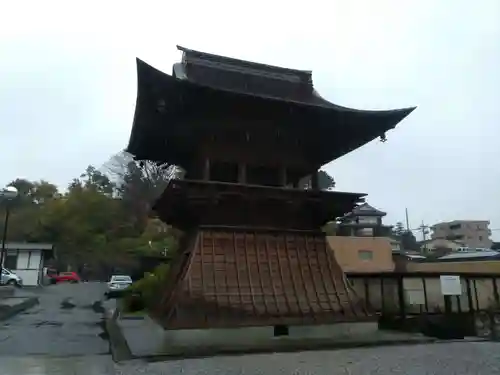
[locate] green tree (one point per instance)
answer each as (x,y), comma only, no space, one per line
(26,208)
(96,220)
(408,241)
(406,237)
(93,179)
(398,229)
(325,181)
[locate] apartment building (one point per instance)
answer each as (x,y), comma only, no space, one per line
(470,233)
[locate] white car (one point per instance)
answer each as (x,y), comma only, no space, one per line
(8,277)
(118,283)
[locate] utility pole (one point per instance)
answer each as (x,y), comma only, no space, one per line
(425,230)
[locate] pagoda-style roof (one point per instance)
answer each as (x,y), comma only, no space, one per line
(186,203)
(172,110)
(365,210)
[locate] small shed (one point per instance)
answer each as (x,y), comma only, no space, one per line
(27,260)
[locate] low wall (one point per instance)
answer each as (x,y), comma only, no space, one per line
(484,267)
(346,250)
(422,293)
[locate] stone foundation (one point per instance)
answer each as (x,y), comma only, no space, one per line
(262,336)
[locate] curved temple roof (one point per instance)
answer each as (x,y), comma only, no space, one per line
(165,101)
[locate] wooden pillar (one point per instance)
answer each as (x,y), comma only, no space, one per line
(283,176)
(314,181)
(242,173)
(206,169)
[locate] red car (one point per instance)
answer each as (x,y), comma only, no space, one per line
(68,277)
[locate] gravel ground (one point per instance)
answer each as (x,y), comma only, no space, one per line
(467,358)
(446,359)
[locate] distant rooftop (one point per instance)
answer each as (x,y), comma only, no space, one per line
(28,246)
(460,222)
(365,210)
(470,255)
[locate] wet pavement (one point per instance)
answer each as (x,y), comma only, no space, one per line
(67,321)
(63,335)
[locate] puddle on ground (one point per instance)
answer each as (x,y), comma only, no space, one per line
(104,333)
(97,307)
(47,323)
(92,324)
(67,304)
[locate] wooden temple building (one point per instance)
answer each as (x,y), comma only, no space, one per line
(245,133)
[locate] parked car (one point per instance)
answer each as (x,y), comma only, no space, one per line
(10,278)
(62,277)
(118,284)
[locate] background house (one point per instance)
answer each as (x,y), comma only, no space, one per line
(362,243)
(471,233)
(364,220)
(27,260)
(438,247)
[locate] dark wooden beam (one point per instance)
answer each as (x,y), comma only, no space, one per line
(206,169)
(314,180)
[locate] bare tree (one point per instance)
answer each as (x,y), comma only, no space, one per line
(139,183)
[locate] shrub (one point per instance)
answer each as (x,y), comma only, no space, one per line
(144,293)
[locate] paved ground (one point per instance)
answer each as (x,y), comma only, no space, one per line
(66,322)
(62,338)
(443,359)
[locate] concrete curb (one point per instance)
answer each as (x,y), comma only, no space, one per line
(120,350)
(7,312)
(186,353)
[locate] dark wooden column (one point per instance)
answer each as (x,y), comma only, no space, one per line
(314,181)
(206,169)
(283,176)
(242,173)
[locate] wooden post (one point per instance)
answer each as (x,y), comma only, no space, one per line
(314,181)
(206,169)
(242,173)
(283,176)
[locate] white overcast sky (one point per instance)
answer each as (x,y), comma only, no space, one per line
(68,85)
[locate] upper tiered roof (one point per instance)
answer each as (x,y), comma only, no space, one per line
(171,110)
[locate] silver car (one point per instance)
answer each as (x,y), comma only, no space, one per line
(10,278)
(118,283)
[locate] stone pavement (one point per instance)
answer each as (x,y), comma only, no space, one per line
(464,358)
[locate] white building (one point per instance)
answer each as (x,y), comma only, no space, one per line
(27,260)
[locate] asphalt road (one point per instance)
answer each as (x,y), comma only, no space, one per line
(67,321)
(63,335)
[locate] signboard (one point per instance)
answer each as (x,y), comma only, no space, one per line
(415,297)
(450,285)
